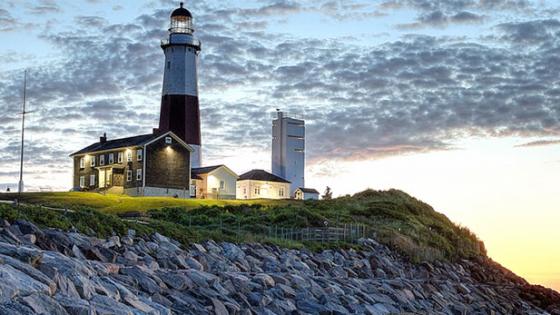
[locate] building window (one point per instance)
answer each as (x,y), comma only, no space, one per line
(129,155)
(139,153)
(244,191)
(139,174)
(92,180)
(129,176)
(111,158)
(82,181)
(281,192)
(82,162)
(257,190)
(102,159)
(92,162)
(222,185)
(168,140)
(120,157)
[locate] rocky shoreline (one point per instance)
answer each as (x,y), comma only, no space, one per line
(48,271)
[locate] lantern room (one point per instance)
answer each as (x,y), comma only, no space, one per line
(181,21)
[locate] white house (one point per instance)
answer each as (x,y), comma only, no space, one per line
(213,182)
(259,184)
(306,194)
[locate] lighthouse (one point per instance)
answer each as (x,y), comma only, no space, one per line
(179,101)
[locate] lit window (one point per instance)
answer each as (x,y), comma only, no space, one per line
(129,176)
(120,157)
(82,162)
(82,181)
(222,184)
(138,174)
(92,162)
(111,158)
(168,140)
(139,154)
(92,180)
(129,156)
(102,159)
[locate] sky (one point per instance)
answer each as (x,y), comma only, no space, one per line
(456,102)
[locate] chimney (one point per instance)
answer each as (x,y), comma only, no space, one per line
(103,138)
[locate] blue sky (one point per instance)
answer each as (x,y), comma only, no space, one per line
(456,102)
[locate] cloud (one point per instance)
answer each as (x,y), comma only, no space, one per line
(539,143)
(441,19)
(530,32)
(7,21)
(442,13)
(412,94)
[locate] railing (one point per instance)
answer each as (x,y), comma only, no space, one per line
(193,42)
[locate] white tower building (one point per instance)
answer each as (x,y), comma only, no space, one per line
(288,150)
(179,103)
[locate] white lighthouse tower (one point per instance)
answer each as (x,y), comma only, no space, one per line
(288,150)
(179,103)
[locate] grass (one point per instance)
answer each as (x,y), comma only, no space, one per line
(119,204)
(395,218)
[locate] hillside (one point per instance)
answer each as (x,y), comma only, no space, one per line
(48,271)
(393,217)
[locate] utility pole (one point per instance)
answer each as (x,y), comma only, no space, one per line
(23,112)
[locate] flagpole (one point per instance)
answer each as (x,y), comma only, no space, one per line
(20,185)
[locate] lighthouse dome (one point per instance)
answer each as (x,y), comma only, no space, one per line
(181,21)
(181,12)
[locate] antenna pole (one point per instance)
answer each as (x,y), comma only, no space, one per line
(20,185)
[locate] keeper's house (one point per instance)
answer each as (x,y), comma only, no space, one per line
(145,165)
(259,184)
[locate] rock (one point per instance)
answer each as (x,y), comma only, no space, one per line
(264,280)
(74,306)
(219,307)
(41,303)
(29,238)
(106,306)
(16,283)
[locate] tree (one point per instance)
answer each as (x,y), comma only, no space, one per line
(328,194)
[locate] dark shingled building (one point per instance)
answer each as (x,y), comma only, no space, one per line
(145,165)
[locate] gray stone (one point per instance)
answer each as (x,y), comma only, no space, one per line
(42,303)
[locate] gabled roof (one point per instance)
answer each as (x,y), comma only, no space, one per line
(262,175)
(128,142)
(209,169)
(308,190)
(205,170)
(194,176)
(117,143)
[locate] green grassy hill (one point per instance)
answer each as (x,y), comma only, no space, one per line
(118,204)
(393,217)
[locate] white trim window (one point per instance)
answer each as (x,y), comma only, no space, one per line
(168,140)
(139,174)
(128,155)
(82,181)
(257,190)
(102,159)
(92,180)
(222,185)
(139,154)
(111,158)
(281,192)
(82,162)
(92,160)
(129,175)
(120,157)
